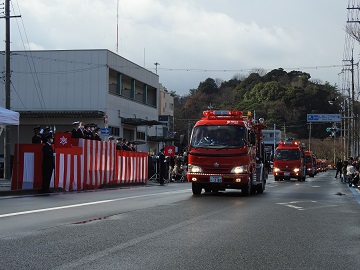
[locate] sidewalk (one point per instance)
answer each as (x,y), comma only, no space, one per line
(4,184)
(5,188)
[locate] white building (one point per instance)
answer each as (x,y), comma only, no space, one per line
(166,114)
(271,139)
(56,88)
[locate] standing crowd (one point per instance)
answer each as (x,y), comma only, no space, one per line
(348,171)
(88,131)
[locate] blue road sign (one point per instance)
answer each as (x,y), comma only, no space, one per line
(105,131)
(324,117)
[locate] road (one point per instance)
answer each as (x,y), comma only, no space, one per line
(293,225)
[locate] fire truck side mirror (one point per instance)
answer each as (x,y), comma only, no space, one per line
(252,138)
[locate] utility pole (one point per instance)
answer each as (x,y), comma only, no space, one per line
(156,64)
(353,154)
(309,136)
(7,88)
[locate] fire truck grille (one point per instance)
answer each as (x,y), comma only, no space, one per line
(215,170)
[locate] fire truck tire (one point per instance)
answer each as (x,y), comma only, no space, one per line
(247,189)
(196,189)
(260,188)
(277,178)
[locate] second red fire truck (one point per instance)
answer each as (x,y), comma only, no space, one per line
(289,161)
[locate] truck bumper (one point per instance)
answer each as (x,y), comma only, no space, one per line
(287,175)
(221,181)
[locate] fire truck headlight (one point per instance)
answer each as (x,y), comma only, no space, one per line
(276,169)
(296,170)
(194,169)
(239,169)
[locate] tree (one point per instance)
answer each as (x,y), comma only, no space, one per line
(209,86)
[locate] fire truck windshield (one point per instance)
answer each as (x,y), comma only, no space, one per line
(287,154)
(226,136)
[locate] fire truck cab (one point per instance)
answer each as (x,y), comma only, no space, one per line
(226,152)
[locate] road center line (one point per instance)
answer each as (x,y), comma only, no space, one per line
(87,204)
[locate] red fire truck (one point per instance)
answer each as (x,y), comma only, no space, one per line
(310,162)
(226,152)
(289,161)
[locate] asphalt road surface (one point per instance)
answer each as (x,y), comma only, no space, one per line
(294,225)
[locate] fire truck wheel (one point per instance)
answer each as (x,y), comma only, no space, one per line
(261,188)
(247,189)
(277,178)
(196,189)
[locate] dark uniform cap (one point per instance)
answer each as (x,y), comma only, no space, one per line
(37,128)
(96,129)
(76,123)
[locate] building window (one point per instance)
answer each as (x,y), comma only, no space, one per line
(140,136)
(114,131)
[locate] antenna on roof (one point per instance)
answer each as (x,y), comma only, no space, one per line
(117,27)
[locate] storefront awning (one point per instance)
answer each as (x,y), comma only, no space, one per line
(141,122)
(160,139)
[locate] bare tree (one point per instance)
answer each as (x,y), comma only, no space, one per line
(261,71)
(218,82)
(353,30)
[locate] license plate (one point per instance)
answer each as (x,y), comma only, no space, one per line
(215,179)
(286,174)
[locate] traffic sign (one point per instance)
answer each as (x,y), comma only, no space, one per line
(324,117)
(105,131)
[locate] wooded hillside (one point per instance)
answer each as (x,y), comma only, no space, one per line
(280,97)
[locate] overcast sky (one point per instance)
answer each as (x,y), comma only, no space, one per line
(192,40)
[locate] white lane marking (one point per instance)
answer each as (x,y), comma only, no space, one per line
(292,204)
(88,203)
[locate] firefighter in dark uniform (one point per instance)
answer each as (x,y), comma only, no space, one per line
(37,136)
(162,167)
(88,132)
(119,142)
(48,162)
(76,131)
(44,133)
(96,134)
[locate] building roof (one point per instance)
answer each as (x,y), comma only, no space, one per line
(62,114)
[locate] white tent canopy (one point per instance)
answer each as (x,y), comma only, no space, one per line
(8,117)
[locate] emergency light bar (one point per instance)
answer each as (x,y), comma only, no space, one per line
(232,113)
